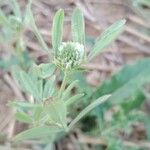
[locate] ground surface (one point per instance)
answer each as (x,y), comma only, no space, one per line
(131,45)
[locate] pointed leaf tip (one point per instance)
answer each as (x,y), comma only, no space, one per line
(108,36)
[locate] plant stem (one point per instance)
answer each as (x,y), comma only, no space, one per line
(63,84)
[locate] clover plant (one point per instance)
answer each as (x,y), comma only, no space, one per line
(46,110)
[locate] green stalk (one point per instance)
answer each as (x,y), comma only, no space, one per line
(63,85)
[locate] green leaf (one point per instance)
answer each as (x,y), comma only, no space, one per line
(16,25)
(42,70)
(26,83)
(130,87)
(23,105)
(49,88)
(3,19)
(37,133)
(38,113)
(73,99)
(126,82)
(57,29)
(107,37)
(134,102)
(34,72)
(115,144)
(46,70)
(29,20)
(40,89)
(78,26)
(140,8)
(16,8)
(23,117)
(88,109)
(57,112)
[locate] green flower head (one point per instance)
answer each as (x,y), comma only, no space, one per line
(70,55)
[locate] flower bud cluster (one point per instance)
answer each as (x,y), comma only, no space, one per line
(70,55)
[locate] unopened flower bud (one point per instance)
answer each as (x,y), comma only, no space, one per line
(70,55)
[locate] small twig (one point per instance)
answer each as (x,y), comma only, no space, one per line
(98,67)
(74,142)
(85,10)
(135,44)
(13,86)
(114,2)
(132,31)
(11,127)
(19,95)
(139,21)
(4,122)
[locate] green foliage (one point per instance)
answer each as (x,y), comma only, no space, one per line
(107,37)
(12,27)
(125,83)
(115,145)
(23,117)
(57,29)
(29,20)
(49,88)
(127,94)
(57,112)
(27,84)
(43,70)
(78,26)
(88,109)
(140,7)
(48,109)
(50,106)
(37,133)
